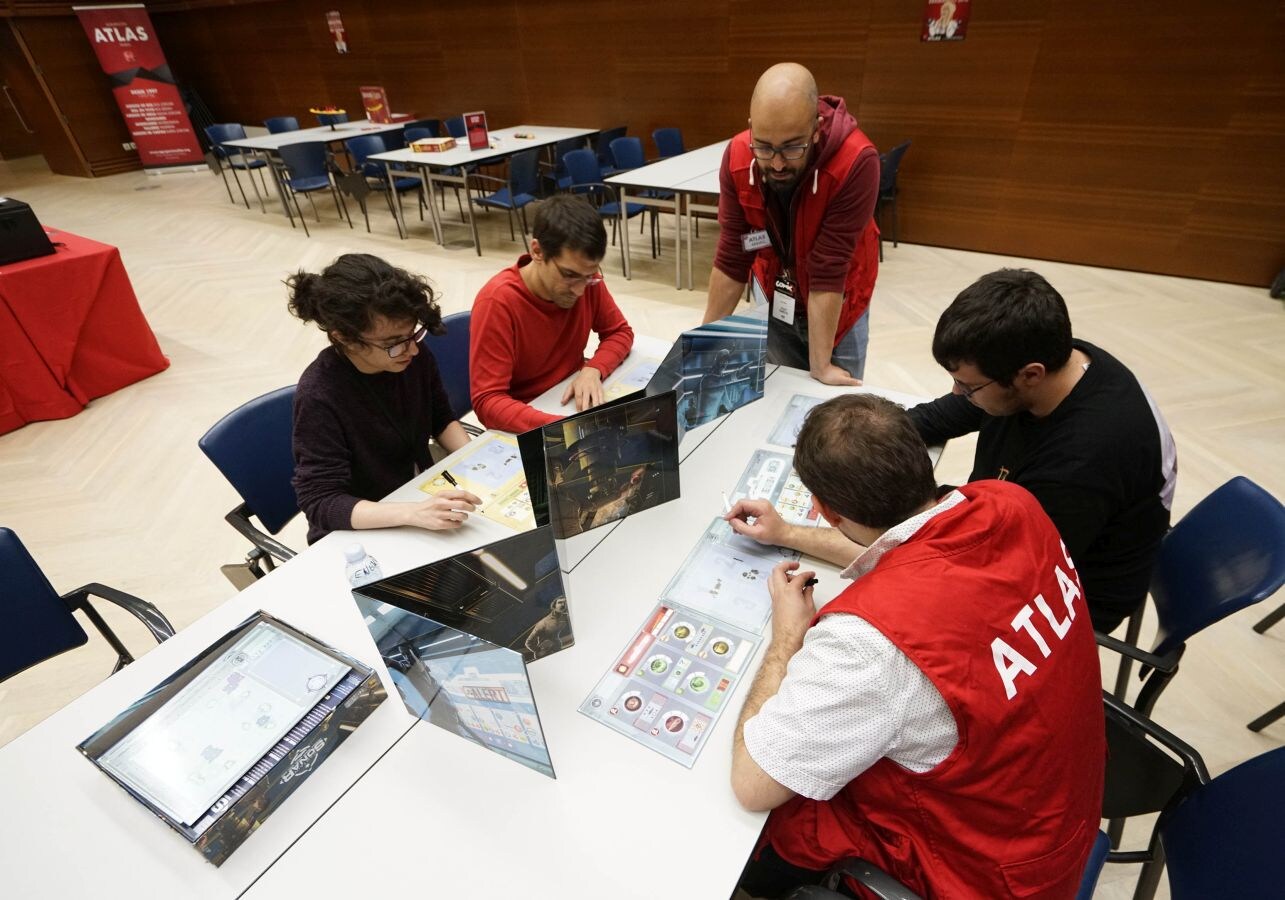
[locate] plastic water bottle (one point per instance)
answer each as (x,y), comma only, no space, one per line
(362,568)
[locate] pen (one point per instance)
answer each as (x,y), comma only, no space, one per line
(450,478)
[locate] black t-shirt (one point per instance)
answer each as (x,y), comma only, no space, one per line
(1096,464)
(360,437)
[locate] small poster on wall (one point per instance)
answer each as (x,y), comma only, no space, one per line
(945,20)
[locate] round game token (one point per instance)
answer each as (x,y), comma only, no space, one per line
(682,631)
(721,646)
(698,683)
(674,721)
(659,664)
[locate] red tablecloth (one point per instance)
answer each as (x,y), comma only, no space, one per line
(70,331)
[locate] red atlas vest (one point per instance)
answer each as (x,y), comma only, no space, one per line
(811,198)
(984,600)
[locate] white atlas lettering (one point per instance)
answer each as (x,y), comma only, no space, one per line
(1009,663)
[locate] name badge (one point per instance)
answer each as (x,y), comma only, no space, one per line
(783,301)
(755,240)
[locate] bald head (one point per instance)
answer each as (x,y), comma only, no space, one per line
(785,96)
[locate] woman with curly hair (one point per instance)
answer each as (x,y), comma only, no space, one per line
(366,407)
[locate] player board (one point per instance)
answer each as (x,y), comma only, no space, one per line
(787,428)
(771,476)
(725,577)
(491,468)
(672,681)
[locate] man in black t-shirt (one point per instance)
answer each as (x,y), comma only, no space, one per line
(1059,416)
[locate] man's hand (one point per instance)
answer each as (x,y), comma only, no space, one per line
(443,512)
(832,374)
(586,388)
(768,526)
(792,608)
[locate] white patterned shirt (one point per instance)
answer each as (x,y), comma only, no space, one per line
(850,697)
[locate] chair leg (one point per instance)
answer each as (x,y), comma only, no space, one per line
(1267,718)
(1126,664)
(1271,619)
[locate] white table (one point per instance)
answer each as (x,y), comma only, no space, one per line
(431,167)
(688,173)
(620,821)
(402,802)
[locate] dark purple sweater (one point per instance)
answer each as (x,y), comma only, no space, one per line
(360,437)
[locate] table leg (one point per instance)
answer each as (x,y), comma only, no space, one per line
(624,231)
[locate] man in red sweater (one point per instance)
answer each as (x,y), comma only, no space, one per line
(531,322)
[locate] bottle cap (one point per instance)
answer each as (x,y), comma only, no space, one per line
(354,553)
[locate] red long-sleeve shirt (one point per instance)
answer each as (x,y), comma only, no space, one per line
(520,346)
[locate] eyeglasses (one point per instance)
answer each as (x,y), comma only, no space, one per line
(791,152)
(576,278)
(397,349)
(969,391)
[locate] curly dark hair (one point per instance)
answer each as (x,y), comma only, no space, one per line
(345,298)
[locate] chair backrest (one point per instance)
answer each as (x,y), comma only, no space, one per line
(1224,839)
(226,131)
(1226,554)
(669,141)
(307,160)
(582,166)
(38,624)
(455,127)
(363,146)
(889,163)
(524,171)
(602,146)
(450,350)
(251,446)
(278,124)
(627,153)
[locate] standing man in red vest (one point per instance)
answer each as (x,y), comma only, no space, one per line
(798,192)
(942,716)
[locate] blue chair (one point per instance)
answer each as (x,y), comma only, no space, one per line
(669,141)
(889,164)
(252,447)
(455,127)
(361,148)
(514,193)
(1226,554)
(582,166)
(236,158)
(1224,838)
(307,170)
(451,352)
(555,173)
(602,146)
(331,119)
(39,623)
(278,124)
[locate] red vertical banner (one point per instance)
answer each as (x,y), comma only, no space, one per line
(375,100)
(127,49)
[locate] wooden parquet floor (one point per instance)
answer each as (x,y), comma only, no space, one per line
(121,494)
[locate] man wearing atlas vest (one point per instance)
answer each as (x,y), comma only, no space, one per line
(942,716)
(796,205)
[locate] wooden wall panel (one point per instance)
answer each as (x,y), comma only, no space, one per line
(1090,131)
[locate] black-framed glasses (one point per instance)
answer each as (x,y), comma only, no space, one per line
(790,152)
(576,278)
(969,391)
(397,349)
